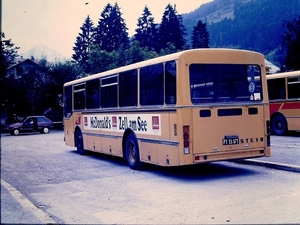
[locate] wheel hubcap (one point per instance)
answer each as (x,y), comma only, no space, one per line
(279,125)
(132,153)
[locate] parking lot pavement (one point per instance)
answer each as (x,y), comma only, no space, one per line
(17,209)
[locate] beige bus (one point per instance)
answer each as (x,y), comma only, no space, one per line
(190,107)
(284,95)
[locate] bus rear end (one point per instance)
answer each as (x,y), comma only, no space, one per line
(229,117)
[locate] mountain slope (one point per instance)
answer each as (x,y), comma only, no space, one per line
(248,24)
(42,52)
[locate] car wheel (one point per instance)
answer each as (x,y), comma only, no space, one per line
(46,130)
(15,132)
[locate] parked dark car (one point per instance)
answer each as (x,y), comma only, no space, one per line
(31,124)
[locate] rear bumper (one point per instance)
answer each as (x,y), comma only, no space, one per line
(231,155)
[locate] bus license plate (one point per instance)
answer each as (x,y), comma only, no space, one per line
(231,140)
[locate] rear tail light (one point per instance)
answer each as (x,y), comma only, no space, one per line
(186,139)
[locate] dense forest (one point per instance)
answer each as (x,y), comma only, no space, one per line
(247,24)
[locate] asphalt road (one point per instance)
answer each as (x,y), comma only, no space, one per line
(44,181)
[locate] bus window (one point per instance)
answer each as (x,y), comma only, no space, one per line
(109,91)
(253,83)
(92,94)
(68,101)
(152,85)
(276,88)
(225,83)
(170,82)
(293,87)
(128,87)
(79,96)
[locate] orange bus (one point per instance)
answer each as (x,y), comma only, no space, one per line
(190,107)
(284,95)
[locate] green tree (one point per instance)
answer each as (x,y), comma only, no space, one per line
(60,72)
(101,61)
(9,87)
(169,49)
(146,33)
(9,52)
(83,43)
(135,53)
(200,36)
(291,41)
(14,100)
(111,32)
(64,71)
(171,30)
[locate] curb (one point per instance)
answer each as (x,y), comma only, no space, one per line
(279,166)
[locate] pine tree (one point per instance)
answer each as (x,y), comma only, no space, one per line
(8,52)
(111,32)
(171,30)
(83,44)
(291,40)
(200,36)
(8,85)
(146,32)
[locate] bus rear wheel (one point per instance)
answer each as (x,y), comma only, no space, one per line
(132,153)
(279,125)
(79,143)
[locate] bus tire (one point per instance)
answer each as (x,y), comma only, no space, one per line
(132,153)
(279,125)
(79,143)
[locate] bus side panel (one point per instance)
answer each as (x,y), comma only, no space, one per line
(169,156)
(291,111)
(293,123)
(148,152)
(69,131)
(163,149)
(111,145)
(92,143)
(159,154)
(96,142)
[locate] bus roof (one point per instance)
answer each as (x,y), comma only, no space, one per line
(173,56)
(283,75)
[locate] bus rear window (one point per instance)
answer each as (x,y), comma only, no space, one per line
(211,83)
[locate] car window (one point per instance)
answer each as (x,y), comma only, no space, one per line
(41,120)
(29,120)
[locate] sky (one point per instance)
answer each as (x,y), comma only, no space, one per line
(56,23)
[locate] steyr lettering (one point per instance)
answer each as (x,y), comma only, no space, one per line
(252,140)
